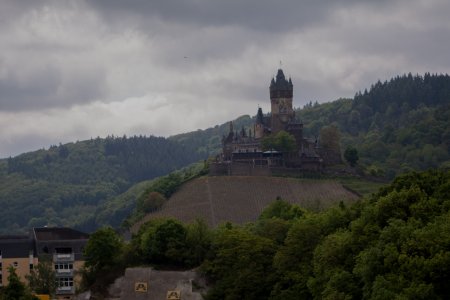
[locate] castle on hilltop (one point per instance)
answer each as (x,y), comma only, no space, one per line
(249,152)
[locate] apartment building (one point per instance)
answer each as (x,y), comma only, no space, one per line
(64,246)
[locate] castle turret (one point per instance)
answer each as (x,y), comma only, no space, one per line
(281,94)
(259,125)
(227,147)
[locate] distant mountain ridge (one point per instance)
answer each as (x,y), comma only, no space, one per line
(71,184)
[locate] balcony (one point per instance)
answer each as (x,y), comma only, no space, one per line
(63,257)
(64,272)
(64,290)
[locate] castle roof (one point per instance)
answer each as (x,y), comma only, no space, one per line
(280,82)
(259,116)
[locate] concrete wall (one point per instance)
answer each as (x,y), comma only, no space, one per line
(22,268)
(157,284)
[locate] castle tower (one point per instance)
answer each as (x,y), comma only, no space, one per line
(281,93)
(259,125)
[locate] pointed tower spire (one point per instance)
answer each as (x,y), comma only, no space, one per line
(259,116)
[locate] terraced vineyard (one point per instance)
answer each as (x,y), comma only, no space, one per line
(240,199)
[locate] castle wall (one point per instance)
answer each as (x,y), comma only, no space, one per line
(249,169)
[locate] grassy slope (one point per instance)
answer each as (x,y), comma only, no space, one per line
(241,199)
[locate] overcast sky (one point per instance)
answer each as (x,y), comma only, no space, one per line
(72,70)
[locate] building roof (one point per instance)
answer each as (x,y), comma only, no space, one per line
(13,237)
(58,233)
(280,82)
(15,246)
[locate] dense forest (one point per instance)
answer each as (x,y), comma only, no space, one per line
(84,184)
(397,126)
(392,245)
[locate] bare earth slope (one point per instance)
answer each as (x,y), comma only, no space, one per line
(241,199)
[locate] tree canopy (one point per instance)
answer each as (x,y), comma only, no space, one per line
(84,184)
(42,278)
(103,250)
(351,156)
(392,245)
(281,141)
(15,289)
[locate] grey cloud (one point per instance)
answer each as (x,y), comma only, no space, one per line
(209,59)
(265,15)
(48,88)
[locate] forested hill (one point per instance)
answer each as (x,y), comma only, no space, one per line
(68,185)
(208,142)
(396,126)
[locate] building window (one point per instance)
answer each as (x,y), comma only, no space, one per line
(63,267)
(31,266)
(65,282)
(15,264)
(65,250)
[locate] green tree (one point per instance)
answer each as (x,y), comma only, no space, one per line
(276,219)
(15,290)
(102,250)
(351,156)
(42,279)
(282,141)
(198,242)
(281,209)
(164,243)
(330,137)
(153,201)
(240,264)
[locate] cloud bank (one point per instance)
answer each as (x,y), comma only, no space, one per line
(72,70)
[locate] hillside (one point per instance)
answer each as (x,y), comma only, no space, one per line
(396,126)
(81,184)
(241,199)
(208,142)
(391,245)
